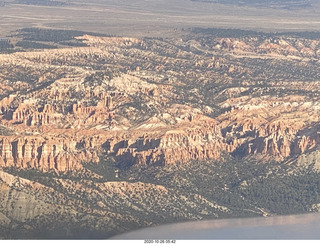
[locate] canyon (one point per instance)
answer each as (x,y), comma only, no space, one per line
(130,132)
(68,114)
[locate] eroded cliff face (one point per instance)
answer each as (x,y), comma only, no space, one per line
(152,101)
(193,138)
(43,153)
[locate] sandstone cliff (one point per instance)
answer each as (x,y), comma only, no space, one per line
(43,154)
(154,101)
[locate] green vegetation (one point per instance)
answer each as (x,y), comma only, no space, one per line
(47,177)
(195,190)
(228,33)
(106,168)
(34,45)
(50,35)
(73,43)
(5,46)
(36,38)
(239,185)
(286,194)
(244,187)
(4,131)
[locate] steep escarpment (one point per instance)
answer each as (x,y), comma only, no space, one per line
(43,153)
(271,127)
(154,101)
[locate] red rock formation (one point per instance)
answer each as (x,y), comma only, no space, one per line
(83,112)
(50,154)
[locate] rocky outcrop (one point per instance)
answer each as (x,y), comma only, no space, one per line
(94,114)
(28,114)
(281,46)
(195,138)
(283,134)
(112,41)
(49,154)
(153,101)
(191,135)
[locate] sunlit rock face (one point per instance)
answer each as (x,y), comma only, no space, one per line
(152,101)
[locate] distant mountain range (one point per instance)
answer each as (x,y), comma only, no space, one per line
(286,4)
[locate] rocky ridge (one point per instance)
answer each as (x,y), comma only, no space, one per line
(153,102)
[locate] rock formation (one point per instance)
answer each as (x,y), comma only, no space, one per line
(153,101)
(45,154)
